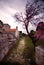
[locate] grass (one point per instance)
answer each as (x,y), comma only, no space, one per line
(29,48)
(13,50)
(40,43)
(28,52)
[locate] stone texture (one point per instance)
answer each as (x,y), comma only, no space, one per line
(39,55)
(6,41)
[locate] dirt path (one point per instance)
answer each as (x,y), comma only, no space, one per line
(17,55)
(21,47)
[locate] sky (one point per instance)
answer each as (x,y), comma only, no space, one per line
(8,8)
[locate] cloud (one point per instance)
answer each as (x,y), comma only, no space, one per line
(17,4)
(6,18)
(8,8)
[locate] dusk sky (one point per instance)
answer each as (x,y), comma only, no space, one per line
(8,8)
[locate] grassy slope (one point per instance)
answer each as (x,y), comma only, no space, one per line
(40,43)
(29,48)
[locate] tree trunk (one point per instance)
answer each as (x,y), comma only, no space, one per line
(32,38)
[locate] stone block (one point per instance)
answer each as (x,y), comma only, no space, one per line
(39,55)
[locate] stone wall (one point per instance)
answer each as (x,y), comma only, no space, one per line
(5,46)
(6,43)
(39,55)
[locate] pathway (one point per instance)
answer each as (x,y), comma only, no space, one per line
(17,55)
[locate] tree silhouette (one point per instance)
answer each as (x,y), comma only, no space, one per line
(30,11)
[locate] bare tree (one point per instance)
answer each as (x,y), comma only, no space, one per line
(30,11)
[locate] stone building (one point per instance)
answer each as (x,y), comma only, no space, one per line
(7,39)
(6,26)
(13,33)
(17,32)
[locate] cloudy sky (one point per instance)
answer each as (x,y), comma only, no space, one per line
(8,8)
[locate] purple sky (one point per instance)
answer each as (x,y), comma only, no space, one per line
(8,8)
